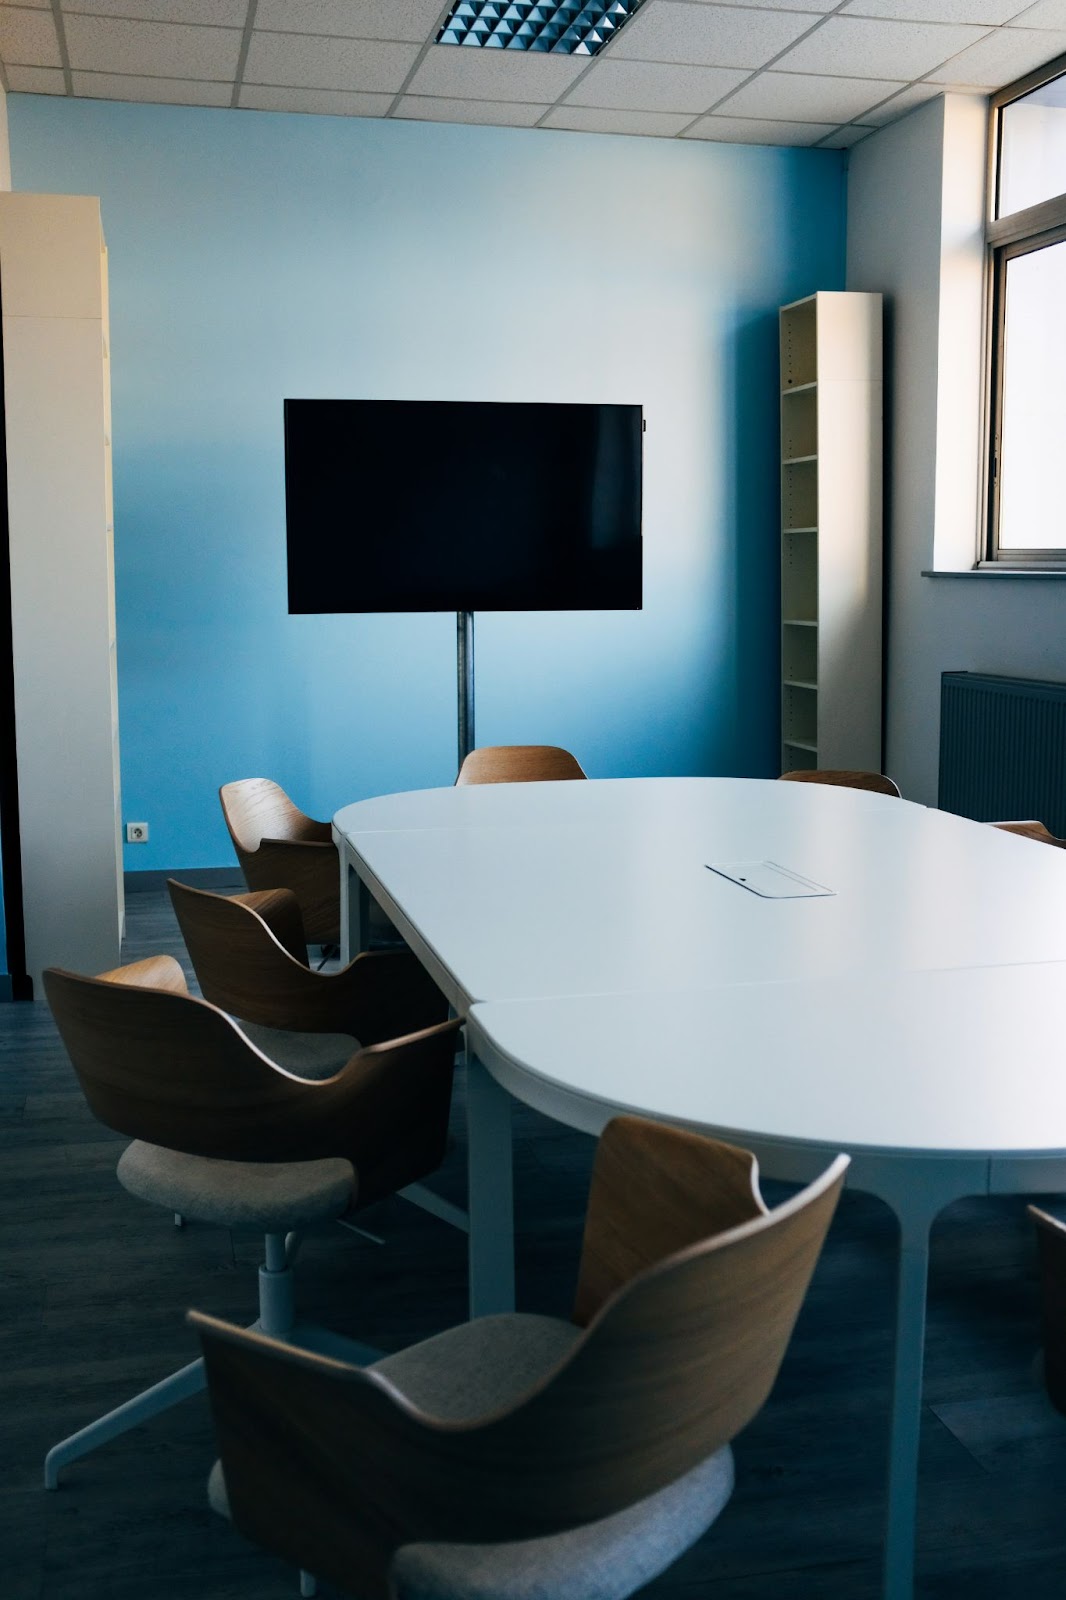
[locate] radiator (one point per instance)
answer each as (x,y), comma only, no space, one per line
(1003,749)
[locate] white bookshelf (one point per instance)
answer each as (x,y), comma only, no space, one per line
(831,473)
(57,402)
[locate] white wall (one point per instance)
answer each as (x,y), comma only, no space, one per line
(55,387)
(914,227)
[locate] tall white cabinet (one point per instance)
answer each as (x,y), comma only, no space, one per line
(831,499)
(57,403)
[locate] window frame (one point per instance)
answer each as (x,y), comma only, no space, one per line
(1006,238)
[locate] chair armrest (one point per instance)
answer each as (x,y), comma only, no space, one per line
(311,869)
(157,972)
(323,837)
(386,1111)
(380,995)
(280,910)
(1031,830)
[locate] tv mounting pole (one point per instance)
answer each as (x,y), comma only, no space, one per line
(464,671)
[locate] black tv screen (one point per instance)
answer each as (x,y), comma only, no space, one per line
(455,505)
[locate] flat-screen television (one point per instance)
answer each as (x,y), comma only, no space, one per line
(458,505)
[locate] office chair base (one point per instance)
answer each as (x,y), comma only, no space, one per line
(277,1317)
(160,1397)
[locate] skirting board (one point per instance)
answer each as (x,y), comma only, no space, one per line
(222,878)
(12,988)
(198,877)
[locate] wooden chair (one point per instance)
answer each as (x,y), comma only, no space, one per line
(1031,830)
(528,1454)
(221,1134)
(279,847)
(519,763)
(249,954)
(876,781)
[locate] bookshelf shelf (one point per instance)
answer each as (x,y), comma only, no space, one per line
(831,470)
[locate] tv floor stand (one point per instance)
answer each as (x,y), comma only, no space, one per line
(464,672)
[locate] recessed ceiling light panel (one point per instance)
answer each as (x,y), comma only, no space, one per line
(561,27)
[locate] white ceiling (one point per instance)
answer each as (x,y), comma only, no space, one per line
(785,72)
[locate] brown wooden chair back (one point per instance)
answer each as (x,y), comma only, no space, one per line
(278,846)
(675,1362)
(1032,830)
(158,1065)
(876,781)
(258,808)
(249,956)
(519,763)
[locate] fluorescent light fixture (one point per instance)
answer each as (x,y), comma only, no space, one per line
(563,27)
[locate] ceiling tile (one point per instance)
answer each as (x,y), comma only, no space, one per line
(458,73)
(302,62)
(36,5)
(1005,55)
(594,119)
(36,80)
(319,102)
(653,86)
(784,5)
(28,37)
(986,12)
(916,95)
(157,91)
(216,13)
(844,138)
(752,130)
(405,20)
(697,34)
(854,47)
(498,113)
(1045,14)
(151,49)
(792,97)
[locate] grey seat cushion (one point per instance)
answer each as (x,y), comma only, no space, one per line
(604,1560)
(476,1368)
(305,1055)
(480,1366)
(272,1197)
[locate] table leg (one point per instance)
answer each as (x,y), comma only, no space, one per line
(355,913)
(906,1405)
(490,1193)
(345,875)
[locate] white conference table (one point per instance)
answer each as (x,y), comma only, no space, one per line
(913,1017)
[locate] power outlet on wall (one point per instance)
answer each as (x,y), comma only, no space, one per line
(136,833)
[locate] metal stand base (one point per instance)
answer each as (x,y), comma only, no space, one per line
(277,1317)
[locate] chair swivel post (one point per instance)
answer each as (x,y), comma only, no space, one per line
(276,1318)
(277,1312)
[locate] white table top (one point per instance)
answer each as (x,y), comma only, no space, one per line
(512,891)
(964,1063)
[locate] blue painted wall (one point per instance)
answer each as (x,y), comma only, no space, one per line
(255,256)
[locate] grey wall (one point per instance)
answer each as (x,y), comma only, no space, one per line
(915,195)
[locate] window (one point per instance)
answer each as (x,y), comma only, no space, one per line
(1027,245)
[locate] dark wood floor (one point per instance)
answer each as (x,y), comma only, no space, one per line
(95,1284)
